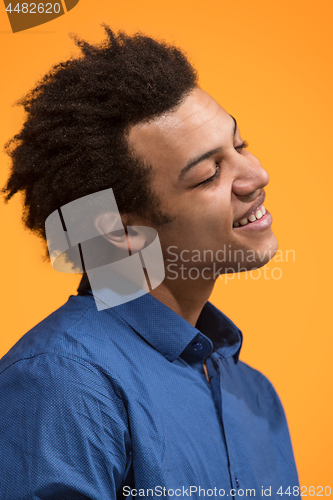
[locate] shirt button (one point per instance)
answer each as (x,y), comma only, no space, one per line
(197,346)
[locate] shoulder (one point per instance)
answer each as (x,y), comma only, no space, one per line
(66,362)
(253,375)
(76,334)
(42,383)
(257,387)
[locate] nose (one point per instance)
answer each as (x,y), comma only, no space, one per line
(250,177)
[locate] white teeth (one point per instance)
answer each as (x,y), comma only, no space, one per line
(253,217)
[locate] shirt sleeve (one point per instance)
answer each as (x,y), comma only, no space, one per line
(64,432)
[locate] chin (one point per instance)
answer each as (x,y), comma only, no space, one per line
(267,251)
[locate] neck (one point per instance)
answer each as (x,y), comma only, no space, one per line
(184,297)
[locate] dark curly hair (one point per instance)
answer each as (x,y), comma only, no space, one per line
(74,140)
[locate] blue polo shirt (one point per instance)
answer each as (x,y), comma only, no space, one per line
(113,404)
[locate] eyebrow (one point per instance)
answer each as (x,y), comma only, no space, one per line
(193,162)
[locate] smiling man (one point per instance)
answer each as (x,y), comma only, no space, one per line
(148,398)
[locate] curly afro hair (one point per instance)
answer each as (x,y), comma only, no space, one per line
(74,139)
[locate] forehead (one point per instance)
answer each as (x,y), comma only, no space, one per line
(197,125)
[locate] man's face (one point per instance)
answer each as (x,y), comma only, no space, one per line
(207,198)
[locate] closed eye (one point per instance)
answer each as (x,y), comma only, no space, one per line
(244,144)
(239,148)
(213,177)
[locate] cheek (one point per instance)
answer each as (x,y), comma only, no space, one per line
(200,213)
(217,214)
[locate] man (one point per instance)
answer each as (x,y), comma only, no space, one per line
(147,398)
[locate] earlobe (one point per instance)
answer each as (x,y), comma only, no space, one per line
(139,237)
(136,237)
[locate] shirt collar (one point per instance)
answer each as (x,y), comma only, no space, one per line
(172,335)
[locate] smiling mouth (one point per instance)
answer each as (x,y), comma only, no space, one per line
(257,214)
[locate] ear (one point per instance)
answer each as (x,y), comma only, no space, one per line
(131,238)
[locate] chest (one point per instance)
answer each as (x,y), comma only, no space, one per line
(184,434)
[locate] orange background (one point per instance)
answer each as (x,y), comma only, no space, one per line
(269,64)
